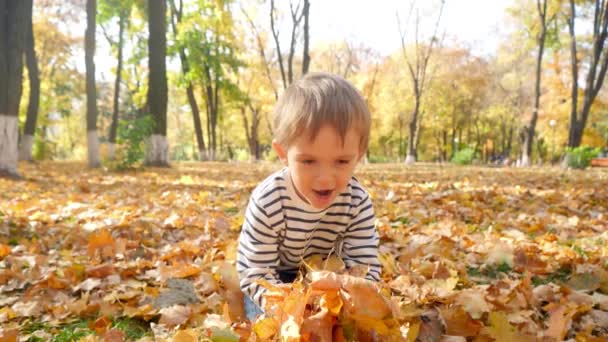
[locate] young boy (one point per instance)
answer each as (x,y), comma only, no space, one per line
(314,205)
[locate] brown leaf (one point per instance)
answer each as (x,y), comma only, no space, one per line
(175,315)
(114,335)
(100,325)
(100,271)
(318,326)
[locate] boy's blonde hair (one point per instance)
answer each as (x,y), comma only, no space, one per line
(318,99)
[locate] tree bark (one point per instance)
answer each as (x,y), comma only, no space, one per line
(275,35)
(114,126)
(158,148)
(595,76)
(25,152)
(12,41)
(176,18)
(418,70)
(306,55)
(531,127)
(89,55)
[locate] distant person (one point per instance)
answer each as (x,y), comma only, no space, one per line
(313,205)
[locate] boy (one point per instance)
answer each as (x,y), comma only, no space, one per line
(314,205)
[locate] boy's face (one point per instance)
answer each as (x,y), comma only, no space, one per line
(321,168)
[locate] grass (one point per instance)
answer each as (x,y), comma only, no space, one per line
(133,329)
(488,272)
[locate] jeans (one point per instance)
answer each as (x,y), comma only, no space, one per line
(252,310)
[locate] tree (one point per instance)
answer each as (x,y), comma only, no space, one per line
(596,68)
(27,140)
(12,42)
(417,68)
(122,10)
(297,13)
(157,153)
(176,19)
(526,153)
(89,55)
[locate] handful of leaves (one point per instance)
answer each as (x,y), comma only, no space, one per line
(326,305)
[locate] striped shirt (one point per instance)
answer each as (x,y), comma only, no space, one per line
(280,230)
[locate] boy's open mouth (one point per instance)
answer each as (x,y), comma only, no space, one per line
(323,193)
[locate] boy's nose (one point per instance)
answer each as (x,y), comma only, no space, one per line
(326,176)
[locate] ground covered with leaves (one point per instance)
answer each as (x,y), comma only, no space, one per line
(468,253)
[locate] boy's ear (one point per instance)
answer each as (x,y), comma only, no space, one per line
(280,151)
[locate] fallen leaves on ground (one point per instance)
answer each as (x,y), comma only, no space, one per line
(499,254)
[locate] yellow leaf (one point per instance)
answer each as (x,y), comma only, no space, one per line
(501,330)
(290,330)
(187,335)
(332,302)
(266,328)
(334,264)
(370,324)
(413,332)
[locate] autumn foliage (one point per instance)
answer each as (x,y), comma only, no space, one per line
(483,254)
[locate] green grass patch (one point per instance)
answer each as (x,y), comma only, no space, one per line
(486,273)
(134,329)
(560,276)
(73,331)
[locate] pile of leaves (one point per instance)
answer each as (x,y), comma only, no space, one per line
(467,253)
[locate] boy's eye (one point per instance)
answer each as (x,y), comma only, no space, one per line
(343,161)
(307,161)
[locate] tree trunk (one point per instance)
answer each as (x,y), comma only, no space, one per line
(306,56)
(114,125)
(27,140)
(89,55)
(531,127)
(198,129)
(594,77)
(275,35)
(12,41)
(158,148)
(413,128)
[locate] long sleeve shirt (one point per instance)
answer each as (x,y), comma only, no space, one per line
(281,230)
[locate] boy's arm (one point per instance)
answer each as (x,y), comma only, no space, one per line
(257,254)
(361,240)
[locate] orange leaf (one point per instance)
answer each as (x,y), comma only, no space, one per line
(55,283)
(100,271)
(98,240)
(459,323)
(100,325)
(9,336)
(180,270)
(4,250)
(319,325)
(332,302)
(558,322)
(114,335)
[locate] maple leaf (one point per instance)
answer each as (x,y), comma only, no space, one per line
(265,328)
(175,315)
(501,330)
(99,240)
